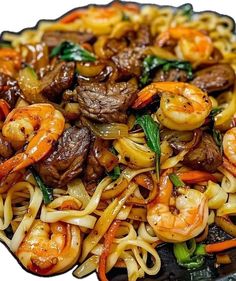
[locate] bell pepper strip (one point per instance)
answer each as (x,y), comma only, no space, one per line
(4,109)
(191,177)
(109,237)
(229,166)
(72,16)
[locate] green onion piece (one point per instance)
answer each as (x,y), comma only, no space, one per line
(194,263)
(200,250)
(176,180)
(47,191)
(115,173)
(152,133)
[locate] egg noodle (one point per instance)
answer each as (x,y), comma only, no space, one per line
(121,221)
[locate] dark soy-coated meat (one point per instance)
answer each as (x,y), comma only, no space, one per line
(9,89)
(55,82)
(106,102)
(93,170)
(54,38)
(173,75)
(215,78)
(68,158)
(206,156)
(129,61)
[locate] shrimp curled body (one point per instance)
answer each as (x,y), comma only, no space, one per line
(50,248)
(229,145)
(185,220)
(193,45)
(40,125)
(182,106)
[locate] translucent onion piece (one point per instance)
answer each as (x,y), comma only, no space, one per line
(77,189)
(87,267)
(228,208)
(216,195)
(173,161)
(107,131)
(226,115)
(133,154)
(228,182)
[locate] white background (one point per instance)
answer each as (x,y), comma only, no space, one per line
(18,14)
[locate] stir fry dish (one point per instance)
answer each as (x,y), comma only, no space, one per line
(118,138)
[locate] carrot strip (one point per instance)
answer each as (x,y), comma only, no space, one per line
(220,246)
(229,166)
(144,180)
(72,16)
(109,237)
(196,176)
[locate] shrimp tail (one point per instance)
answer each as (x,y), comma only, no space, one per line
(12,164)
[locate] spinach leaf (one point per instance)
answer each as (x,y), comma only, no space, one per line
(47,191)
(151,63)
(152,133)
(187,10)
(69,51)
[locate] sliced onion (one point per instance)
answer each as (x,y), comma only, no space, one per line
(107,131)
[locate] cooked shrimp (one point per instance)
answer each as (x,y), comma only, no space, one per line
(50,248)
(193,45)
(182,107)
(229,145)
(181,222)
(38,124)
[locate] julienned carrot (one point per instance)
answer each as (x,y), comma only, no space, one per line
(72,16)
(196,176)
(229,166)
(109,237)
(220,246)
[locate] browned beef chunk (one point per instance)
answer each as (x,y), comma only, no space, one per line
(129,61)
(6,150)
(143,36)
(56,81)
(206,156)
(106,102)
(9,89)
(93,170)
(173,75)
(215,78)
(54,38)
(68,158)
